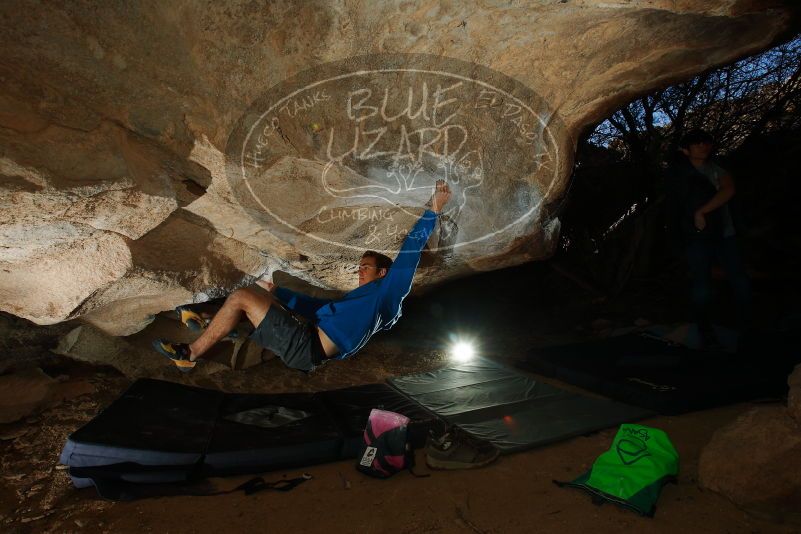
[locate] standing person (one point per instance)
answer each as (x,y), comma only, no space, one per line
(699,192)
(304,331)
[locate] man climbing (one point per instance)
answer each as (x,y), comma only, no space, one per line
(304,331)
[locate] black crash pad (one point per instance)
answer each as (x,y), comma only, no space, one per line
(165,432)
(652,373)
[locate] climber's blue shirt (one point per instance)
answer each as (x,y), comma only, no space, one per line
(351,320)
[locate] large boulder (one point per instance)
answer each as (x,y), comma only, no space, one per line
(158,153)
(23,393)
(30,390)
(755,462)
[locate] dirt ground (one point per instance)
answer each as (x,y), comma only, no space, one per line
(516,494)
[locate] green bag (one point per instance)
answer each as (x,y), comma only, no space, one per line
(632,472)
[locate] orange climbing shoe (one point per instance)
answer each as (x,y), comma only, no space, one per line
(178,353)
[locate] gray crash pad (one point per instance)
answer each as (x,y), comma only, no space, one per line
(509,409)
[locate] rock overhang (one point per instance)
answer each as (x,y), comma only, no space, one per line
(124,131)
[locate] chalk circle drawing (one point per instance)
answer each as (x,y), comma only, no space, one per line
(364,140)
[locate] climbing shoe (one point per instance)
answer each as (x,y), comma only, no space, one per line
(197,323)
(456,449)
(178,353)
(191,319)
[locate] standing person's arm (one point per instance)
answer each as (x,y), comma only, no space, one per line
(724,194)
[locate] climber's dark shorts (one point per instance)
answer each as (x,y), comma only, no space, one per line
(291,337)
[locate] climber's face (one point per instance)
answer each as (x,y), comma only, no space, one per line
(368,271)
